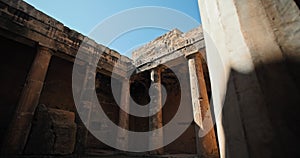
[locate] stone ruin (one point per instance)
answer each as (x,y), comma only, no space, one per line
(38,116)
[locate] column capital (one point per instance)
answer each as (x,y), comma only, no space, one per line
(126,80)
(191,55)
(155,74)
(156,69)
(44,49)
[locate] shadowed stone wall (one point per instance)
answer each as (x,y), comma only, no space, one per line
(14,66)
(257,45)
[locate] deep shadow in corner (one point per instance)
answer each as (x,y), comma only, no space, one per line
(261,112)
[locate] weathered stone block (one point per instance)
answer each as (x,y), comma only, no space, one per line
(62,117)
(53,132)
(64,129)
(41,138)
(65,139)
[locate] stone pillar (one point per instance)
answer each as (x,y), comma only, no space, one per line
(195,94)
(195,101)
(21,123)
(207,145)
(156,121)
(122,140)
(85,109)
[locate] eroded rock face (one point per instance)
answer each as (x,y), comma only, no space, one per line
(53,132)
(64,129)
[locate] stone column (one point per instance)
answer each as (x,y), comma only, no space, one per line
(207,145)
(195,94)
(122,140)
(156,121)
(85,109)
(21,123)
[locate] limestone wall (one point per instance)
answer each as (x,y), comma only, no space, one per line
(256,81)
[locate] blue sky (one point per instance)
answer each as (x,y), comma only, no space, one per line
(84,16)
